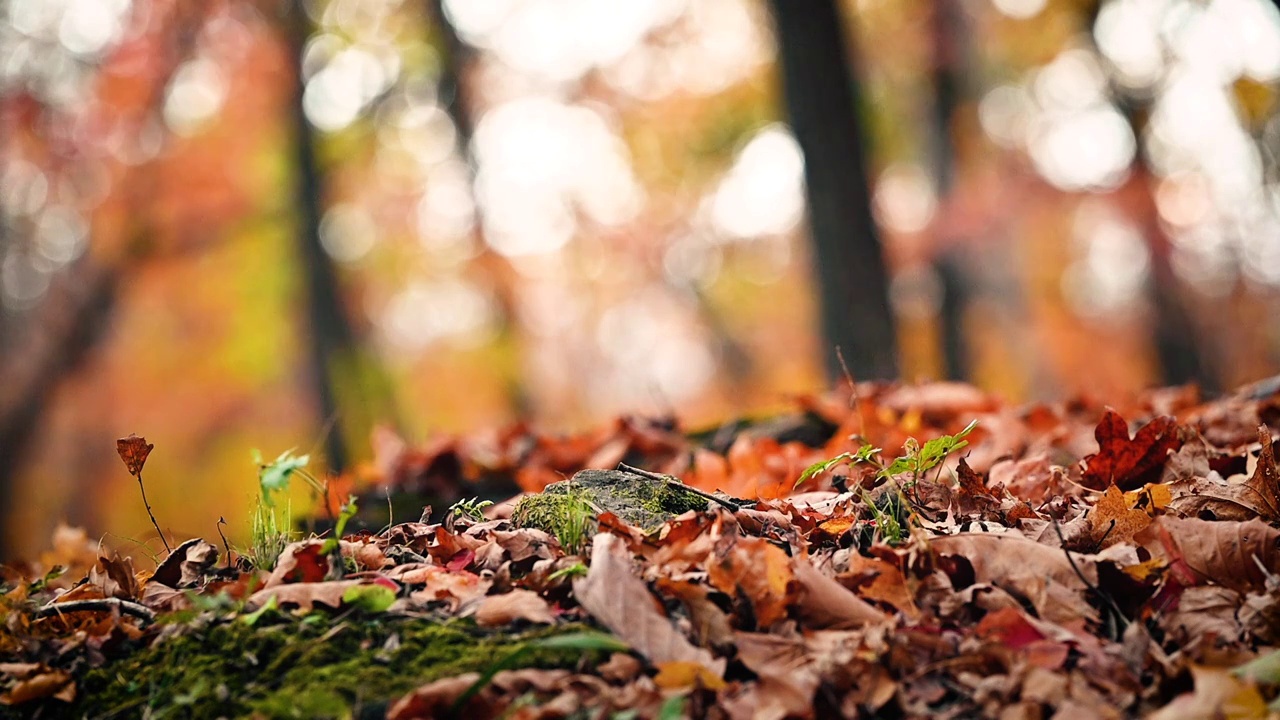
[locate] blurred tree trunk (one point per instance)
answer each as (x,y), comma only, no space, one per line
(43,347)
(947,36)
(1178,351)
(351,392)
(823,101)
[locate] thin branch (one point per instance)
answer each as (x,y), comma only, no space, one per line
(1113,609)
(126,607)
(676,483)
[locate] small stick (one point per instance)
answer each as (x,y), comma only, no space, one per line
(143,489)
(672,481)
(854,400)
(126,607)
(222,521)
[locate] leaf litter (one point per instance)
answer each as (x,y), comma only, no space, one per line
(919,551)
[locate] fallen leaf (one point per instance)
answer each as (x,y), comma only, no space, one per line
(620,601)
(825,603)
(187,564)
(37,682)
(755,569)
(1238,555)
(304,594)
(1113,521)
(1038,573)
(133,451)
(1129,463)
(300,562)
(513,605)
(686,675)
(1217,695)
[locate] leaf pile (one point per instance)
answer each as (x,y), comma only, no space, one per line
(1067,560)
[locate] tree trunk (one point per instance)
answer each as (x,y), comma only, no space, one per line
(822,101)
(335,359)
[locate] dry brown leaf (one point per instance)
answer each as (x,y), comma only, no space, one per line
(133,450)
(620,601)
(1218,696)
(875,579)
(825,603)
(1038,573)
(1238,555)
(187,564)
(513,605)
(301,561)
(37,682)
(788,678)
(755,569)
(305,594)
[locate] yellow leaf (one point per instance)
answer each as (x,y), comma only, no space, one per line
(686,674)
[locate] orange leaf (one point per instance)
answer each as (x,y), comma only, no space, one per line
(1113,521)
(686,674)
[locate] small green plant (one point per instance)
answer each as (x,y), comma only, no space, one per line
(472,509)
(891,514)
(916,459)
(271,533)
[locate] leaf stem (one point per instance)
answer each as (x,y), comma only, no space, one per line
(151,515)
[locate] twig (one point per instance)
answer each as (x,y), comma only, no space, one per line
(126,607)
(143,489)
(1113,609)
(672,481)
(854,400)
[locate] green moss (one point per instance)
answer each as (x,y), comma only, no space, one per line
(303,669)
(567,509)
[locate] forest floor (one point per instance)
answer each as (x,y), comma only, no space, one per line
(884,551)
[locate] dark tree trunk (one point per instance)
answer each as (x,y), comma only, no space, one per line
(331,346)
(823,101)
(947,31)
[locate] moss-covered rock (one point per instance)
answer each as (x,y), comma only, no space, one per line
(568,509)
(313,668)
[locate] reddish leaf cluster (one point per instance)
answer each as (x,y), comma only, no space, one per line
(1061,568)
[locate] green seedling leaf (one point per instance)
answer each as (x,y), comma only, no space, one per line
(252,618)
(1265,670)
(821,467)
(370,598)
(275,475)
(934,451)
(672,708)
(572,571)
(332,543)
(582,641)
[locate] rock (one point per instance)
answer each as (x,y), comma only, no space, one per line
(568,509)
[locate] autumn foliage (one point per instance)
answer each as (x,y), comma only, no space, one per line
(1073,560)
